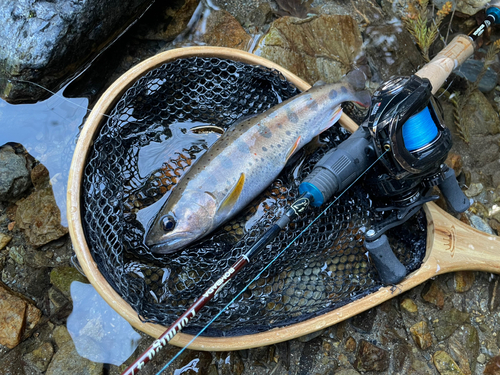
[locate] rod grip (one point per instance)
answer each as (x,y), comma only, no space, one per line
(390,270)
(440,67)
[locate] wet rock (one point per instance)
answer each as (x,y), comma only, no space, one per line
(31,282)
(409,306)
(480,118)
(371,358)
(480,224)
(469,7)
(306,48)
(391,51)
(464,280)
(308,355)
(448,322)
(43,41)
(445,364)
(247,12)
(62,277)
(470,70)
(16,315)
(4,240)
(67,361)
(493,366)
(223,30)
(433,294)
(40,217)
(166,20)
(421,335)
(14,174)
(57,298)
(364,321)
(41,356)
(364,12)
(464,347)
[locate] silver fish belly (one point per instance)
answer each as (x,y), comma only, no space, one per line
(242,163)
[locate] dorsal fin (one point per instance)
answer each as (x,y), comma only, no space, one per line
(230,200)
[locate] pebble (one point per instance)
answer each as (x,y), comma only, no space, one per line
(474,189)
(41,356)
(4,240)
(409,305)
(14,175)
(464,281)
(350,344)
(445,364)
(67,361)
(434,295)
(16,315)
(481,358)
(421,335)
(480,224)
(40,217)
(371,358)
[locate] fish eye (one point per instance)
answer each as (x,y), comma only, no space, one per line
(168,223)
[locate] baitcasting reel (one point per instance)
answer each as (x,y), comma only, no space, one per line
(404,131)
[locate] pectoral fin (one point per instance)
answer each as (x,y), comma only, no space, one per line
(292,149)
(230,200)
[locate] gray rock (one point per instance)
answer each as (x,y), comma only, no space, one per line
(43,41)
(67,361)
(470,69)
(14,175)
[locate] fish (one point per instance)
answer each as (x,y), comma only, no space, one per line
(242,163)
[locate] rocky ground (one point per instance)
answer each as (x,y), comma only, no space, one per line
(448,325)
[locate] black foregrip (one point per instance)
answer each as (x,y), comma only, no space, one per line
(390,269)
(454,196)
(340,166)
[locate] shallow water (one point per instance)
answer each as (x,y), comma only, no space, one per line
(48,130)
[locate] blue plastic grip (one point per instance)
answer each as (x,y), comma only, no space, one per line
(495,12)
(307,187)
(419,130)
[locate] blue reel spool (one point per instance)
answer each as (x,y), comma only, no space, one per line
(419,130)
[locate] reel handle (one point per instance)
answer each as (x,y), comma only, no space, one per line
(390,270)
(453,195)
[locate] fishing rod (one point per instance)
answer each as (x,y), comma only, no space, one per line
(404,131)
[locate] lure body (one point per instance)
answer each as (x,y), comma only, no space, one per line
(242,163)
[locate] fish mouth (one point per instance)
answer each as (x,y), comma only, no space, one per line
(171,245)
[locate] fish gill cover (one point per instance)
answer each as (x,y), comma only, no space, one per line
(325,268)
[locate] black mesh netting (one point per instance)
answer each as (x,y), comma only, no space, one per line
(154,133)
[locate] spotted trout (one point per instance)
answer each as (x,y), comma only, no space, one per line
(242,163)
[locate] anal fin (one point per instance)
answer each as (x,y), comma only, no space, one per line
(232,197)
